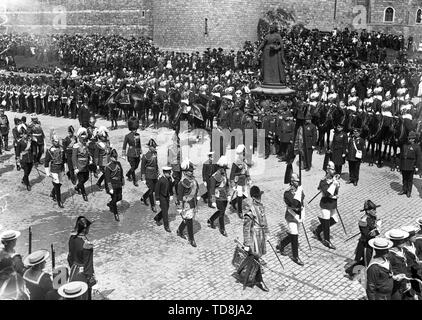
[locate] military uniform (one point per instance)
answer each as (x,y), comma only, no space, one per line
(4,132)
(339,150)
(55,166)
(114,181)
(149,172)
(285,132)
(102,157)
(379,280)
(26,152)
(39,284)
(163,192)
(173,160)
(269,124)
(38,137)
(208,169)
(134,151)
(81,158)
(309,142)
(410,159)
(239,178)
(68,143)
(219,193)
(355,150)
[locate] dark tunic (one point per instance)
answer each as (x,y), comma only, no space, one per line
(379,280)
(327,202)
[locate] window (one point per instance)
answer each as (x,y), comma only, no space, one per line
(419,16)
(206,26)
(389,14)
(143,13)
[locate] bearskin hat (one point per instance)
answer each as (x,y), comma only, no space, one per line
(133,123)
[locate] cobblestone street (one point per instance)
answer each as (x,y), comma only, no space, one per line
(139,260)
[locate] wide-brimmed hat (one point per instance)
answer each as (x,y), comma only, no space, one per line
(152,143)
(396,234)
(73,289)
(256,192)
(410,229)
(36,257)
(380,243)
(9,235)
(369,205)
(419,221)
(167,168)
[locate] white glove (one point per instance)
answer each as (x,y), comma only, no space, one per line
(198,198)
(205,183)
(298,193)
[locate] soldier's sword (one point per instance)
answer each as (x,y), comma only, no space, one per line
(354,236)
(314,197)
(275,253)
(341,220)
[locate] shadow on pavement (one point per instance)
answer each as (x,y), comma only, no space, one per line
(7,168)
(396,186)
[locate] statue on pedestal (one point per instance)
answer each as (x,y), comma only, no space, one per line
(272,58)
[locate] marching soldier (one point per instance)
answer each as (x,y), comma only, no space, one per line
(4,131)
(25,153)
(187,194)
(163,195)
(255,231)
(81,158)
(16,134)
(173,161)
(310,138)
(219,193)
(114,182)
(149,173)
(338,148)
(397,259)
(410,159)
(285,132)
(293,197)
(329,187)
(239,180)
(208,169)
(68,144)
(379,279)
(133,140)
(355,149)
(102,152)
(369,226)
(55,163)
(38,137)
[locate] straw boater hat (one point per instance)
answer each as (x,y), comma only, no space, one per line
(73,289)
(36,257)
(9,235)
(167,168)
(380,243)
(396,234)
(411,230)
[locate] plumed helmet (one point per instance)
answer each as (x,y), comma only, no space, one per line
(81,131)
(388,94)
(353,90)
(187,165)
(55,138)
(240,148)
(133,123)
(223,162)
(331,165)
(17,121)
(22,128)
(113,153)
(369,205)
(102,131)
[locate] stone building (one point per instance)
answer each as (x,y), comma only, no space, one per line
(199,24)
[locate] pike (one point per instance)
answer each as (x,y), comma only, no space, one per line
(275,253)
(341,220)
(314,197)
(53,257)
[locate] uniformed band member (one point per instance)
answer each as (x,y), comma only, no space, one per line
(68,144)
(8,239)
(397,259)
(163,195)
(81,158)
(55,164)
(410,159)
(255,231)
(81,254)
(102,152)
(369,226)
(219,194)
(379,276)
(355,149)
(134,151)
(239,180)
(329,187)
(208,169)
(187,194)
(4,131)
(293,197)
(149,173)
(114,182)
(339,148)
(25,154)
(37,281)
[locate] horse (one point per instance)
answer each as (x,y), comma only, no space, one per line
(371,131)
(396,140)
(320,119)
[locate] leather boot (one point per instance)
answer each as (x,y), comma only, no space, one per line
(283,243)
(318,230)
(239,207)
(295,249)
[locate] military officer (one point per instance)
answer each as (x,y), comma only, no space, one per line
(269,122)
(149,173)
(418,239)
(114,182)
(68,144)
(219,193)
(285,132)
(163,195)
(38,136)
(173,161)
(355,149)
(55,166)
(4,131)
(81,158)
(410,159)
(25,153)
(294,199)
(329,187)
(310,139)
(338,148)
(187,194)
(102,152)
(208,169)
(134,152)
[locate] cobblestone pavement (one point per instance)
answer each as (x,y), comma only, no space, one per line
(139,260)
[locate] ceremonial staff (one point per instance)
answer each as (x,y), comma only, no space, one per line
(314,197)
(341,220)
(30,241)
(53,257)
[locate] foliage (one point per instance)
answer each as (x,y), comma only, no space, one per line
(284,19)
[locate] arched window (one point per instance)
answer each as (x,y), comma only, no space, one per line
(389,14)
(419,16)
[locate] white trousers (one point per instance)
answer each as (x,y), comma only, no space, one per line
(293,228)
(326,214)
(57,177)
